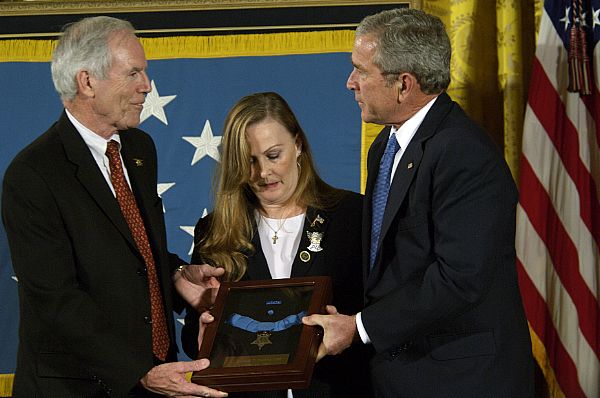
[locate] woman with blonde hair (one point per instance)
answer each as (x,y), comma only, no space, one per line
(273,218)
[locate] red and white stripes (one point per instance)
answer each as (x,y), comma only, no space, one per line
(558,218)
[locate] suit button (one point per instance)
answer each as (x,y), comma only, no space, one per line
(142,271)
(147,320)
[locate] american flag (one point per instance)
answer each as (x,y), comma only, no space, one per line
(558,219)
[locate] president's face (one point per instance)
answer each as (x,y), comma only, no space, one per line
(377,99)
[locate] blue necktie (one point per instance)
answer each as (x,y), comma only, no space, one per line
(380,193)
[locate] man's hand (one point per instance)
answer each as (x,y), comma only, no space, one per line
(198,284)
(339,331)
(169,379)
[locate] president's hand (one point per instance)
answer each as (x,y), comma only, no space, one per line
(169,379)
(198,284)
(339,331)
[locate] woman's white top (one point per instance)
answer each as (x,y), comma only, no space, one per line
(281,250)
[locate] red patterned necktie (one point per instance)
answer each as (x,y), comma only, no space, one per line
(131,212)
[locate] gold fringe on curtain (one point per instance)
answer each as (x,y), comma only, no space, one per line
(539,352)
(26,50)
(6,385)
(254,45)
(203,46)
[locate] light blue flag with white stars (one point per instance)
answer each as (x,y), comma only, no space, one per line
(184,114)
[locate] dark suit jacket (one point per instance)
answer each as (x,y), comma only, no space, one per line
(443,309)
(345,375)
(83,289)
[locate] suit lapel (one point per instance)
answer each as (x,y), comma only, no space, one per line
(90,176)
(257,264)
(408,166)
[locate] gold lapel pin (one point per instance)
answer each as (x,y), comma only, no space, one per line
(317,219)
(304,256)
(138,162)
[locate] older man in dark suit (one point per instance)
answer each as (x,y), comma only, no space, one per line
(443,309)
(87,235)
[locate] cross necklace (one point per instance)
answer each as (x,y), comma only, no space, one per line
(280,223)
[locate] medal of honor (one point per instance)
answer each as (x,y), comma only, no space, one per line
(262,339)
(263,329)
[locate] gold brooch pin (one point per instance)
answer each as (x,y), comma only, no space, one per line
(318,219)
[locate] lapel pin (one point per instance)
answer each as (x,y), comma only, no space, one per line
(410,165)
(318,219)
(315,241)
(304,256)
(138,162)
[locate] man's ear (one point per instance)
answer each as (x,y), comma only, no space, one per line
(85,83)
(405,83)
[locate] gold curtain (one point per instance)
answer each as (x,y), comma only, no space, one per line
(491,61)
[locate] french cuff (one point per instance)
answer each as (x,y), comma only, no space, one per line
(362,332)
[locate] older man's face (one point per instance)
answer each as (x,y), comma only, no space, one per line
(119,99)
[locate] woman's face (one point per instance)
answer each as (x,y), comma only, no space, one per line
(273,153)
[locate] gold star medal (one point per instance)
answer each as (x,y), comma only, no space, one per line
(262,339)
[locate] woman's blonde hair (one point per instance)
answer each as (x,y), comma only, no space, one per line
(227,241)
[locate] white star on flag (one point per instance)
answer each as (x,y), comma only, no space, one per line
(565,19)
(162,188)
(206,144)
(190,230)
(153,106)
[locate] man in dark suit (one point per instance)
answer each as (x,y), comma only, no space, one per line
(87,235)
(442,306)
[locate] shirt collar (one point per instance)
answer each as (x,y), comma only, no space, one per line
(96,143)
(407,130)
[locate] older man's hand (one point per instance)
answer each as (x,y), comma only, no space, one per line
(169,379)
(198,284)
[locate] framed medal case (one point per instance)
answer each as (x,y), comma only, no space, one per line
(257,341)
